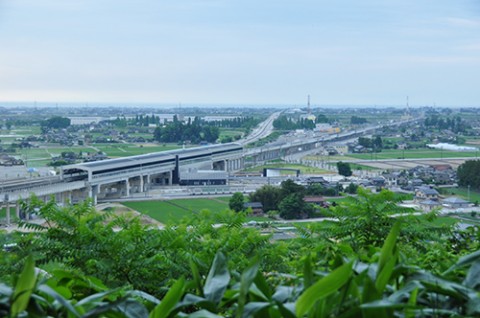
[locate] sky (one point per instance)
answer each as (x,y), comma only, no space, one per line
(342,52)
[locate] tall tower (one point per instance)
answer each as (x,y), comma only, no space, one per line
(407,110)
(309,111)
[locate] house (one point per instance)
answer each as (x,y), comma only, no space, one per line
(317,180)
(391,178)
(426,193)
(455,203)
(429,205)
(257,207)
(442,177)
(317,200)
(359,149)
(377,182)
(416,182)
(441,167)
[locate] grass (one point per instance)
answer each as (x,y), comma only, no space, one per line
(463,192)
(161,211)
(356,166)
(3,214)
(197,205)
(225,199)
(174,210)
(231,132)
(303,169)
(440,221)
(414,154)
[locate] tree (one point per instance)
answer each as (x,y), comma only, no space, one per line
(377,143)
(290,187)
(355,120)
(56,122)
(468,174)
(344,169)
(236,202)
(321,118)
(292,206)
(352,188)
(365,220)
(365,142)
(268,195)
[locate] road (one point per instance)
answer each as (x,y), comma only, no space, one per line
(263,129)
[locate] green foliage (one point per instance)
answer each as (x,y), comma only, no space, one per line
(194,131)
(294,207)
(378,260)
(81,238)
(344,169)
(268,195)
(456,124)
(287,199)
(355,120)
(365,220)
(286,123)
(236,202)
(381,286)
(352,188)
(468,174)
(55,123)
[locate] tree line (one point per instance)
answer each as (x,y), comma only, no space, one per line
(56,122)
(193,131)
(456,124)
(286,123)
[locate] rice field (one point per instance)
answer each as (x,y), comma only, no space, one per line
(172,211)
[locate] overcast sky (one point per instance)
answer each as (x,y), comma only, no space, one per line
(370,52)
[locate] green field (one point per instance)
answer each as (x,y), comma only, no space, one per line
(231,132)
(414,154)
(440,221)
(303,169)
(161,211)
(463,193)
(356,166)
(174,210)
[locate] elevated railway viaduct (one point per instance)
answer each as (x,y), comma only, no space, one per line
(120,177)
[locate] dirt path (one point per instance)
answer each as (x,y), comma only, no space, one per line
(120,209)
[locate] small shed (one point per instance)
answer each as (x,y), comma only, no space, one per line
(317,200)
(257,207)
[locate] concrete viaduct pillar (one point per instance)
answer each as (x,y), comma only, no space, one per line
(7,208)
(92,193)
(17,209)
(127,187)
